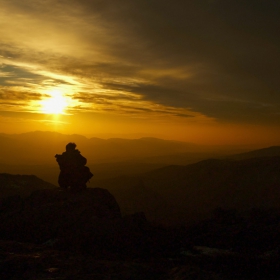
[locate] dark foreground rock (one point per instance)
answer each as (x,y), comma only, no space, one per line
(88,220)
(55,234)
(22,185)
(34,262)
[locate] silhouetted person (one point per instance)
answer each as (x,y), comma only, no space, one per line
(73,172)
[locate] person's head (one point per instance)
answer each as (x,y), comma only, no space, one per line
(70,147)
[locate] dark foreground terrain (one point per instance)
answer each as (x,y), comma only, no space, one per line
(54,234)
(30,261)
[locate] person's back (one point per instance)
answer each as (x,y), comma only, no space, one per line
(74,158)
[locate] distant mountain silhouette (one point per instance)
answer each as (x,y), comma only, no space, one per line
(33,153)
(178,193)
(22,185)
(40,147)
(265,152)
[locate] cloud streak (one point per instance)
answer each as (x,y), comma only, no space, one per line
(203,60)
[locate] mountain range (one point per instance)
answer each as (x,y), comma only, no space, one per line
(33,153)
(40,147)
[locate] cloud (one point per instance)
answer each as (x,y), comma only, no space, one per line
(217,59)
(231,49)
(11,95)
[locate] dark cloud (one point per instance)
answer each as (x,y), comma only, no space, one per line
(98,71)
(19,95)
(236,44)
(98,97)
(16,104)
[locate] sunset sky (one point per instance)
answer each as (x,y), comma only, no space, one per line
(205,71)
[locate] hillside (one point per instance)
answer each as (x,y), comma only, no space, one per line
(180,193)
(265,152)
(22,185)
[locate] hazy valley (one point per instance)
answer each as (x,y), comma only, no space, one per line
(171,182)
(33,153)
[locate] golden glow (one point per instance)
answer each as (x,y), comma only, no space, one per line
(55,104)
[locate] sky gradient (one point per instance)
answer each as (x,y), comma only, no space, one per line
(203,71)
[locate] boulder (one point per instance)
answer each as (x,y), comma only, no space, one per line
(74,219)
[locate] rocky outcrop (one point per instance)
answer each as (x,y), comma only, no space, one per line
(64,218)
(87,221)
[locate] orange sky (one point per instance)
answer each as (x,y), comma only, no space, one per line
(204,72)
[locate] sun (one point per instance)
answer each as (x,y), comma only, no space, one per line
(55,104)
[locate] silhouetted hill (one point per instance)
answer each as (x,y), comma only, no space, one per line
(265,152)
(178,193)
(22,185)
